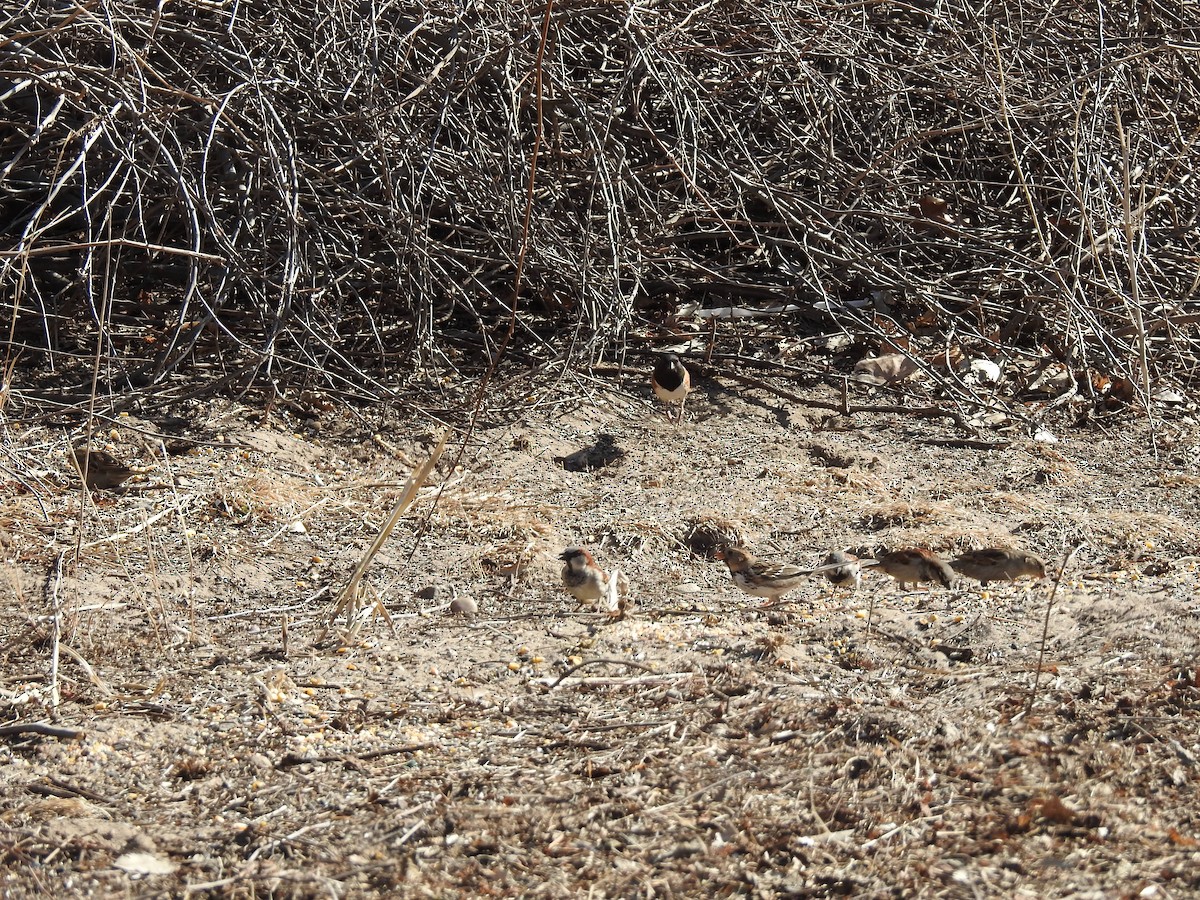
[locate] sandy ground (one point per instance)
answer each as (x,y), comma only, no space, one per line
(229,741)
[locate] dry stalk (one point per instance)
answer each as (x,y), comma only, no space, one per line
(347,600)
(54,589)
(1132,234)
(1037,673)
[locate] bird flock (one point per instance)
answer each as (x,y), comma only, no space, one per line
(589,583)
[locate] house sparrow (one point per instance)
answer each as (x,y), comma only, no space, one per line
(588,583)
(842,569)
(912,566)
(760,579)
(671,381)
(996,564)
(98,469)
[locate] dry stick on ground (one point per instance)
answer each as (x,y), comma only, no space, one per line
(347,598)
(19,728)
(601,662)
(870,611)
(53,589)
(296,759)
(923,412)
(95,680)
(56,787)
(1037,673)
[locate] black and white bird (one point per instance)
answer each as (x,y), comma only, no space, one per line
(671,381)
(842,569)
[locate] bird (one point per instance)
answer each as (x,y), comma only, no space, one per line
(671,381)
(760,579)
(842,569)
(584,580)
(911,566)
(99,469)
(997,564)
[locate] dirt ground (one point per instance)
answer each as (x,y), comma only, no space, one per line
(229,744)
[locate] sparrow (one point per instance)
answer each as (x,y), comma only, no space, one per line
(760,579)
(996,564)
(912,566)
(588,583)
(842,569)
(671,381)
(100,470)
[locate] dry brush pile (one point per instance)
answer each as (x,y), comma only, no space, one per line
(345,193)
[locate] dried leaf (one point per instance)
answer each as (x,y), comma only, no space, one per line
(1065,227)
(1181,840)
(1052,809)
(935,208)
(927,319)
(1122,389)
(954,355)
(932,215)
(885,369)
(983,371)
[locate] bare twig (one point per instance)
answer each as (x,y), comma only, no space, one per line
(1037,674)
(40,728)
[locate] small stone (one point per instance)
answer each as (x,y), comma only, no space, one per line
(427,593)
(464,606)
(144,864)
(261,762)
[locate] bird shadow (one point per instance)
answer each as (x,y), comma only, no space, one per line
(599,455)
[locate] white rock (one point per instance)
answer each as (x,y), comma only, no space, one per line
(144,864)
